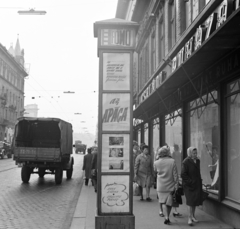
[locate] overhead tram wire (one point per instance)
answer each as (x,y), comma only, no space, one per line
(50,95)
(47,100)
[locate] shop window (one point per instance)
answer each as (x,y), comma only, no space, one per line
(139,136)
(233,137)
(146,130)
(173,136)
(204,135)
(156,135)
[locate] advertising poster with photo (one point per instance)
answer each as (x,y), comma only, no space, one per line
(116,112)
(115,153)
(115,194)
(116,71)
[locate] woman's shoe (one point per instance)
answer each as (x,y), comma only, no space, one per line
(167,221)
(194,220)
(190,223)
(176,214)
(161,214)
(149,199)
(141,198)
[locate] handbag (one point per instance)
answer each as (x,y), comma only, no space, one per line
(204,195)
(136,191)
(180,190)
(176,197)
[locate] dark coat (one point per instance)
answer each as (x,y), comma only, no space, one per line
(87,163)
(192,182)
(94,166)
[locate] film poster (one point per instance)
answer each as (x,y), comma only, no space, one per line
(115,153)
(116,112)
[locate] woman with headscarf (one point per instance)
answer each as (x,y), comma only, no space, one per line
(192,183)
(143,172)
(167,180)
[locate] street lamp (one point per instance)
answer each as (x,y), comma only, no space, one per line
(32,12)
(69,92)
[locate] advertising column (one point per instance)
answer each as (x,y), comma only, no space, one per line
(115,171)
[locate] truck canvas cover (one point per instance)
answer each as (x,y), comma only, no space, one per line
(51,133)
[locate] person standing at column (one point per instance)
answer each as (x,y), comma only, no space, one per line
(94,166)
(143,171)
(87,161)
(192,183)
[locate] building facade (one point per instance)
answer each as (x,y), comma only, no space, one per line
(31,110)
(187,89)
(12,74)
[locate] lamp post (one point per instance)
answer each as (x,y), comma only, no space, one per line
(32,12)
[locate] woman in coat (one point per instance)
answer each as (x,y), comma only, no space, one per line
(87,161)
(143,172)
(192,183)
(167,180)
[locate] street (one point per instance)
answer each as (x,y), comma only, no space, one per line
(41,203)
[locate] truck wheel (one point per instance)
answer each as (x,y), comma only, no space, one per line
(41,172)
(58,175)
(25,173)
(69,172)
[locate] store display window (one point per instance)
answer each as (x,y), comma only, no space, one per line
(233,139)
(203,116)
(173,136)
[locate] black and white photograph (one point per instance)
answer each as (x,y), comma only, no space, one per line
(116,141)
(119,114)
(116,152)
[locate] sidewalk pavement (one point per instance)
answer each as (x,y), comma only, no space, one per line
(146,214)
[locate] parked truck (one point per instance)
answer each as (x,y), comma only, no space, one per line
(43,146)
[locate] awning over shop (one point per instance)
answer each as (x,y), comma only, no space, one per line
(220,43)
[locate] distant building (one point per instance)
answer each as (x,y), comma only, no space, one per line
(31,110)
(12,74)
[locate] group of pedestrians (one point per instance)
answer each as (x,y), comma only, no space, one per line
(165,172)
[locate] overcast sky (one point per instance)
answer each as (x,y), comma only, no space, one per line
(61,51)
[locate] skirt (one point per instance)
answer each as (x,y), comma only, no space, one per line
(166,198)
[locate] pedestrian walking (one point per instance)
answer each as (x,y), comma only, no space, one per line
(167,181)
(143,171)
(87,162)
(94,167)
(192,183)
(136,151)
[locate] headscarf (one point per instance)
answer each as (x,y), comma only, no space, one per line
(190,150)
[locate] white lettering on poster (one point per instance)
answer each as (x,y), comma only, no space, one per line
(116,111)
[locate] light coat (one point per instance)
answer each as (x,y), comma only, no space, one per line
(167,175)
(143,169)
